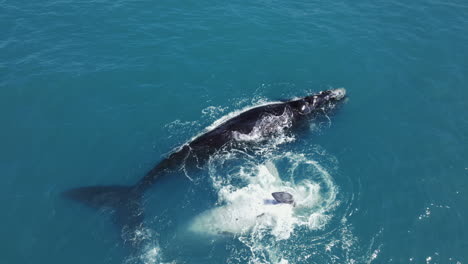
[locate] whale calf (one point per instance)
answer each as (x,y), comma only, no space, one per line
(248,127)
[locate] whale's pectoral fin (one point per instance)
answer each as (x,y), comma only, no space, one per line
(123,201)
(283,197)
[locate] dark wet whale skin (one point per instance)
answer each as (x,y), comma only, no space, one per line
(203,146)
(200,148)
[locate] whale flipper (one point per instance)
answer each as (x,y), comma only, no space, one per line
(283,197)
(123,201)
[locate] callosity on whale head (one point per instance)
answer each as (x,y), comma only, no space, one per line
(338,94)
(323,100)
(327,96)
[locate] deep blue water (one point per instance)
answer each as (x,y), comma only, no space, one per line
(97,92)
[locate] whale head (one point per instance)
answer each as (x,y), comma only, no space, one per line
(324,100)
(326,97)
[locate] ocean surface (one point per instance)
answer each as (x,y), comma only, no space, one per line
(98,92)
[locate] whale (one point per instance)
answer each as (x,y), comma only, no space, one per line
(245,129)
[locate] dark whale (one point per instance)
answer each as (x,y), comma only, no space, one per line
(263,121)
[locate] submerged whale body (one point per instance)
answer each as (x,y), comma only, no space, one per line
(252,125)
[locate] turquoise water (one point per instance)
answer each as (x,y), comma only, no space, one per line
(97,92)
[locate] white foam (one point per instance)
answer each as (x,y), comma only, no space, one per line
(150,251)
(246,207)
(251,208)
(267,127)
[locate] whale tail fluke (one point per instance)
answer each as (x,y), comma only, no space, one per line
(124,202)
